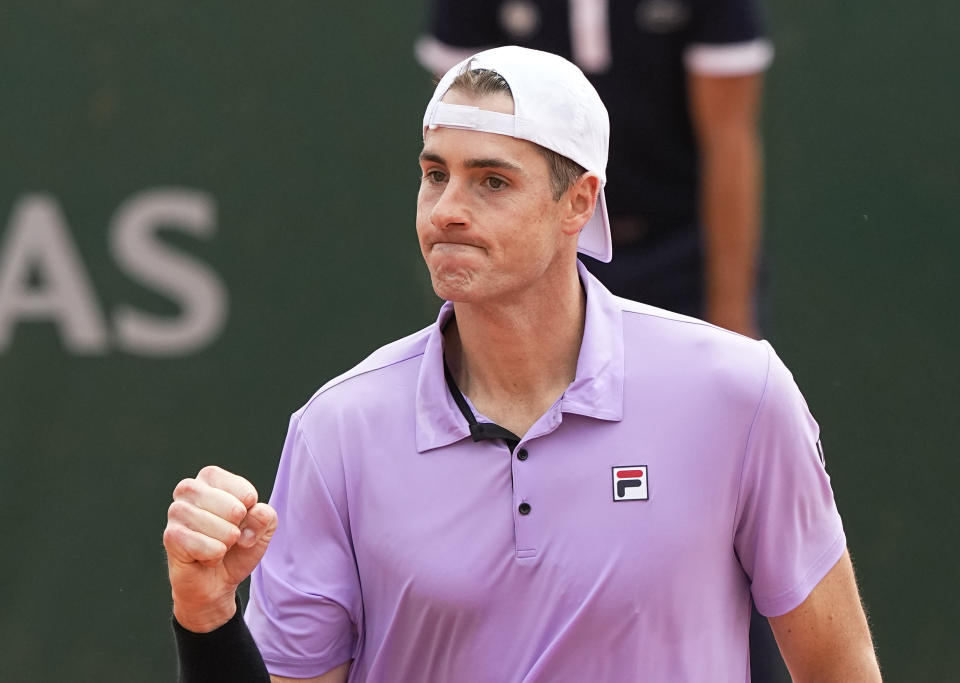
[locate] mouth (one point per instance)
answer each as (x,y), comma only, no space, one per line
(453,247)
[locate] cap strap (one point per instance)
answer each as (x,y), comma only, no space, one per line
(473,118)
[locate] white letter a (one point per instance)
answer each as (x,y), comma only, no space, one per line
(38,242)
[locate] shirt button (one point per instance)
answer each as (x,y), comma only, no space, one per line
(524,508)
(522,454)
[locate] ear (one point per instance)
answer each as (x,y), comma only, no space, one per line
(580,200)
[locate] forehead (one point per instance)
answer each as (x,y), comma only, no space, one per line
(451,142)
(498,101)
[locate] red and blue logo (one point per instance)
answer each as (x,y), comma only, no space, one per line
(630,482)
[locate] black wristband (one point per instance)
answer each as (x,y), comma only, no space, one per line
(227,654)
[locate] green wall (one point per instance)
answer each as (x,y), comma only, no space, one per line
(266,154)
(862,209)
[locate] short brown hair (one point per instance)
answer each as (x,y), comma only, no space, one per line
(564,172)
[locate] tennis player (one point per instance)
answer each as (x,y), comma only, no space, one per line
(550,483)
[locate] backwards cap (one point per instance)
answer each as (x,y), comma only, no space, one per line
(554,106)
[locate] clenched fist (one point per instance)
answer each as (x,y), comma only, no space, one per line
(216,533)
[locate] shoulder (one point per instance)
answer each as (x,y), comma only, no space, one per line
(385,375)
(676,327)
(679,348)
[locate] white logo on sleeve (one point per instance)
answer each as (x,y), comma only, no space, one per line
(630,483)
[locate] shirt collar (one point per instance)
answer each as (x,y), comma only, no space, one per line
(596,391)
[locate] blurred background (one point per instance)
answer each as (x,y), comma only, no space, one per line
(207,210)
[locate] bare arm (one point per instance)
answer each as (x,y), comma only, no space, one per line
(217,531)
(724,113)
(337,675)
(826,639)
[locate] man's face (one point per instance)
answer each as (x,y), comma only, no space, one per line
(487,222)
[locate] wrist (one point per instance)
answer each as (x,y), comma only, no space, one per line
(205,618)
(227,654)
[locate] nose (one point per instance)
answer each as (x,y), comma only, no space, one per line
(449,211)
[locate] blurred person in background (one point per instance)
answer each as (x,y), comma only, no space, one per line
(682,83)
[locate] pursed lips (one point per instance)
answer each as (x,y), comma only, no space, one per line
(453,246)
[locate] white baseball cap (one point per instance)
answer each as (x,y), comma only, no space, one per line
(554,106)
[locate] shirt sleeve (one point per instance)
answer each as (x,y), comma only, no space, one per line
(305,609)
(788,532)
(456,30)
(727,38)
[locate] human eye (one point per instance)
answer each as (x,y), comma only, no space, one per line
(495,183)
(434,175)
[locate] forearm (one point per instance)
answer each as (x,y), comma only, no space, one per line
(856,667)
(826,639)
(228,654)
(730,213)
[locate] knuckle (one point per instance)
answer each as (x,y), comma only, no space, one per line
(172,536)
(208,472)
(186,487)
(178,510)
(214,551)
(264,515)
(236,514)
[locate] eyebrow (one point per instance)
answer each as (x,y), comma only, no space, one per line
(491,162)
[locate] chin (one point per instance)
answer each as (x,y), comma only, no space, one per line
(452,289)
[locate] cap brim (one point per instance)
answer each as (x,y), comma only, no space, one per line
(595,238)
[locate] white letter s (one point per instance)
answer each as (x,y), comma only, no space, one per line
(190,283)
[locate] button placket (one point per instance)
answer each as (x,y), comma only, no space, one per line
(523,507)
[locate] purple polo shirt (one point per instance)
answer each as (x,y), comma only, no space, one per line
(403,544)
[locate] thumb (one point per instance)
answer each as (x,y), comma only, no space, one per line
(256,530)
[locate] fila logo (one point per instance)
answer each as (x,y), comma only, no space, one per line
(630,483)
